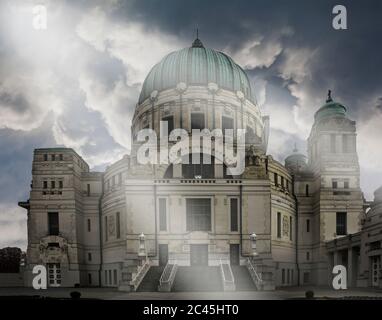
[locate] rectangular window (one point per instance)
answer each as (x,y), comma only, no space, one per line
(89,225)
(90,278)
(283,276)
(287,185)
(115,277)
(45,157)
(105,276)
(170,124)
(197,121)
(53,223)
(45,184)
(60,184)
(334,184)
(278,225)
(53,157)
(234,215)
(118,222)
(198,214)
(307,256)
(227,123)
(307,225)
(61,157)
(288,276)
(333,143)
(162,214)
(346,184)
(307,190)
(345,147)
(88,189)
(110,277)
(53,184)
(113,180)
(119,178)
(275,179)
(290,228)
(282,182)
(341,223)
(106,234)
(89,256)
(306,277)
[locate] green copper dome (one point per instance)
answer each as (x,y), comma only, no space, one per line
(330,109)
(197,65)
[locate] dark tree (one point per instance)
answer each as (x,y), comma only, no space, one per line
(10,260)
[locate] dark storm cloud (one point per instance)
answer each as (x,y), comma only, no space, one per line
(348,61)
(16,157)
(17,102)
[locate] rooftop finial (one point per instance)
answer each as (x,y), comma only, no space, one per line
(197,43)
(329,99)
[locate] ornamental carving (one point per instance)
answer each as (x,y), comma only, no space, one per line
(285,226)
(111,226)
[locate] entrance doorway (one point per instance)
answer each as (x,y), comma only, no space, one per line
(234,254)
(54,274)
(163,254)
(199,255)
(375,267)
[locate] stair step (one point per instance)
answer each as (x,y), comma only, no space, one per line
(151,280)
(243,279)
(197,278)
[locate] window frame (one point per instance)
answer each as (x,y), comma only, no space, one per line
(193,113)
(278,225)
(212,216)
(237,214)
(166,215)
(343,231)
(51,226)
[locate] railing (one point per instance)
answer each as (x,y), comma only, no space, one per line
(198,181)
(168,276)
(256,276)
(227,276)
(141,272)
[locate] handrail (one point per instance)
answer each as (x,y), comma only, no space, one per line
(255,275)
(141,272)
(228,284)
(168,275)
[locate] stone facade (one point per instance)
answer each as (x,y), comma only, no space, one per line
(87,225)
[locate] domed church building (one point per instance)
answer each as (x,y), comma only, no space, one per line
(196,224)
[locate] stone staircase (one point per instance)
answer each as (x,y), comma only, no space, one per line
(243,279)
(198,278)
(151,280)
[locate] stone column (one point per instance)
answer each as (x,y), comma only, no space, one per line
(335,258)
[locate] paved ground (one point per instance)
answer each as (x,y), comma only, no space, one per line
(113,294)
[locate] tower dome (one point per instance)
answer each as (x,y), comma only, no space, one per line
(197,65)
(330,109)
(296,161)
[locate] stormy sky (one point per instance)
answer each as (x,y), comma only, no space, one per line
(76,83)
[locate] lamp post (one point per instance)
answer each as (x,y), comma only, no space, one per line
(253,237)
(142,246)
